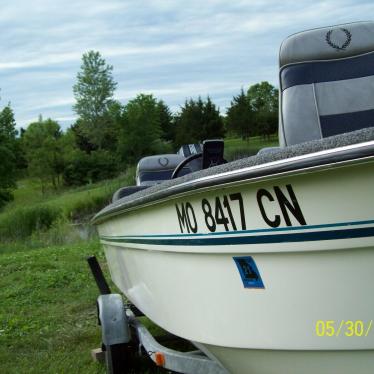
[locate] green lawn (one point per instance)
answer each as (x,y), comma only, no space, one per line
(48,316)
(48,320)
(238,148)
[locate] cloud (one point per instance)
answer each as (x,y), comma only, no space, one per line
(173,50)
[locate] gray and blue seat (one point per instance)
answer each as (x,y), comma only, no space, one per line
(326,82)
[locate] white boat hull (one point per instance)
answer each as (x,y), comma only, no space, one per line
(263,361)
(315,265)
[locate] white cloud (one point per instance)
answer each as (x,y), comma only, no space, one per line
(65,119)
(172,49)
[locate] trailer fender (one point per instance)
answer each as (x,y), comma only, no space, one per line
(113,319)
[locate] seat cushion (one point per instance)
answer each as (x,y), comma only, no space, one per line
(326,82)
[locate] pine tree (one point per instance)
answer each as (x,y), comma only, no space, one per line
(213,126)
(8,134)
(8,130)
(239,117)
(197,121)
(166,122)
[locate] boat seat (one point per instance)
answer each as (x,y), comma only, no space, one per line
(326,82)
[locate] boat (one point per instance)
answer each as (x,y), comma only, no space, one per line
(266,263)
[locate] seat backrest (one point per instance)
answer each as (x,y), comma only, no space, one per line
(326,82)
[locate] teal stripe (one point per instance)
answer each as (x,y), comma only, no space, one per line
(241,232)
(232,238)
(254,239)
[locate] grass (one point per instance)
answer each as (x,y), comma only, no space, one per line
(236,148)
(48,316)
(48,321)
(29,193)
(46,219)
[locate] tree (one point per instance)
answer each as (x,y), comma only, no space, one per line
(240,117)
(140,132)
(263,99)
(197,121)
(166,122)
(109,124)
(43,145)
(189,122)
(94,95)
(80,138)
(83,168)
(213,126)
(8,159)
(8,130)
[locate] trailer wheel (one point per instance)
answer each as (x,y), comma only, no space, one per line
(115,333)
(115,359)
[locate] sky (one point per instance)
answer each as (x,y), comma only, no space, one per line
(175,50)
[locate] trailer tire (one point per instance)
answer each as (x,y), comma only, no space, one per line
(115,358)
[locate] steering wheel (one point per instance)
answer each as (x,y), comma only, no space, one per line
(184,162)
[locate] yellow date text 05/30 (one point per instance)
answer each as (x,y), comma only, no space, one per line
(347,328)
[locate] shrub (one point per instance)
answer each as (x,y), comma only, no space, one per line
(87,168)
(161,147)
(5,197)
(22,222)
(86,207)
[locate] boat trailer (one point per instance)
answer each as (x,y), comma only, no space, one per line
(126,342)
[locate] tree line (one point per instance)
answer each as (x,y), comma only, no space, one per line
(108,135)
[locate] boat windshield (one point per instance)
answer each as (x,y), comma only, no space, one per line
(160,175)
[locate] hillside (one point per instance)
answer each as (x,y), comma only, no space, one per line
(48,320)
(35,220)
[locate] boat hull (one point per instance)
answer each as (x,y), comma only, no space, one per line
(262,361)
(309,237)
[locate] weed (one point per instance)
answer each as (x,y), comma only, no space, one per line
(52,219)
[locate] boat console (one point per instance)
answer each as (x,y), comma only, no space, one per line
(211,155)
(153,170)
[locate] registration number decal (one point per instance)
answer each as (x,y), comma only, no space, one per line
(227,212)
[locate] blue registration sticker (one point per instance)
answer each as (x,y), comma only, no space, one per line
(248,272)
